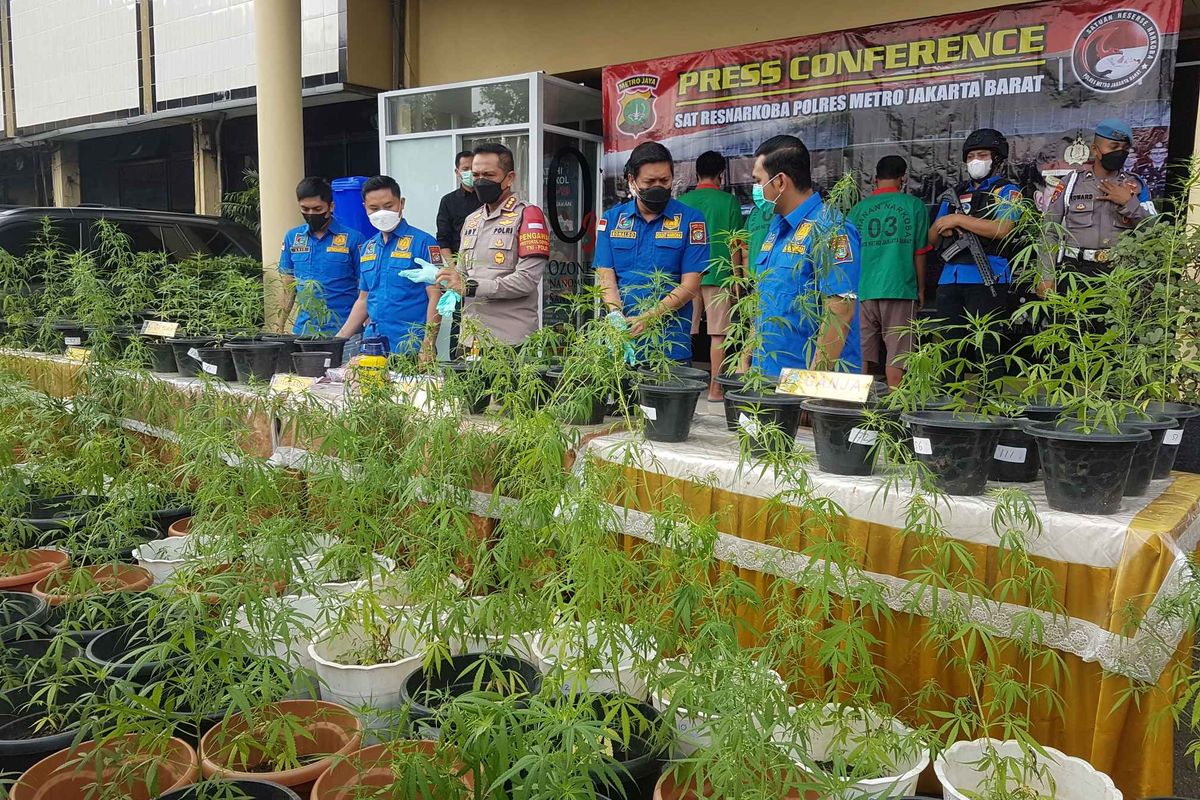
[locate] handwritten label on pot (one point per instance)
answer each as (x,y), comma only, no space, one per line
(863,436)
(211,369)
(78,354)
(1173,437)
(826,385)
(1011,455)
(750,426)
(155,327)
(922,446)
(285,383)
(72,341)
(193,353)
(650,411)
(327,362)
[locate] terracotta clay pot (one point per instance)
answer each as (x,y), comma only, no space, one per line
(335,731)
(110,578)
(30,566)
(371,768)
(669,788)
(58,777)
(182,527)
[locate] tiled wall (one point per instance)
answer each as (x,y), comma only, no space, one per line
(73,59)
(206,47)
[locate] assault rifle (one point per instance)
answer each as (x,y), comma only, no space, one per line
(967,240)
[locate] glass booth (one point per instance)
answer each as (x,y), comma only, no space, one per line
(553,128)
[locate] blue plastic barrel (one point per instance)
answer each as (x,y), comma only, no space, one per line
(348,206)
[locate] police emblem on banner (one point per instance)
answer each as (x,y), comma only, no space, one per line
(1116,50)
(635,102)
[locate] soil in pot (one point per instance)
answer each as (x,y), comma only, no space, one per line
(473,384)
(255,361)
(312,363)
(956,448)
(237,790)
(20,570)
(1145,455)
(217,362)
(1173,437)
(769,420)
(162,356)
(55,588)
(669,407)
(73,334)
(28,660)
(1084,471)
(187,354)
(334,345)
(231,749)
(77,773)
(367,772)
(32,728)
(287,346)
(21,616)
(846,435)
(132,652)
(584,406)
(428,689)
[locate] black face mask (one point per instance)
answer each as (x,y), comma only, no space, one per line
(1112,162)
(655,198)
(316,222)
(488,191)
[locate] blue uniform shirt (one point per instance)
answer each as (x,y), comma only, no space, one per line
(674,243)
(397,306)
(809,254)
(1005,209)
(332,261)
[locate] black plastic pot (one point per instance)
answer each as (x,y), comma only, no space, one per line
(638,766)
(122,608)
(287,346)
(845,435)
(254,360)
(173,509)
(162,356)
(956,448)
(122,652)
(1085,471)
(582,410)
(73,334)
(474,383)
(312,364)
(22,616)
(1174,438)
(88,550)
(1145,455)
(335,345)
(24,739)
(770,420)
(252,790)
(185,364)
(669,407)
(680,371)
(1016,457)
(731,383)
(217,362)
(428,689)
(48,519)
(26,660)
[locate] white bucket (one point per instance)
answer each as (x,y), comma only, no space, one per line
(959,770)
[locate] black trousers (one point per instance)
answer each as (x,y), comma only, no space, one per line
(955,301)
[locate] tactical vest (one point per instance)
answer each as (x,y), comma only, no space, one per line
(982,201)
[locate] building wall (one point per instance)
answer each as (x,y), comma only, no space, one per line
(564,37)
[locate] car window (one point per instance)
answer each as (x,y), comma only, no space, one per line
(16,236)
(144,238)
(212,241)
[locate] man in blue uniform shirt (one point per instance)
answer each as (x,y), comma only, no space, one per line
(324,251)
(651,252)
(398,306)
(807,269)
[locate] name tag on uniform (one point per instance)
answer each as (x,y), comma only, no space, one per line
(333,248)
(620,234)
(666,234)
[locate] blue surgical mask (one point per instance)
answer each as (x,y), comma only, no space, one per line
(760,200)
(468,178)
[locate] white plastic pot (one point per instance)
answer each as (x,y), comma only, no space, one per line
(313,579)
(357,685)
(163,557)
(958,768)
(303,616)
(844,730)
(560,649)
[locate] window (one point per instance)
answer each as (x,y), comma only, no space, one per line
(17,236)
(212,241)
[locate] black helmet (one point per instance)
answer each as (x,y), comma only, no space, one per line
(986,139)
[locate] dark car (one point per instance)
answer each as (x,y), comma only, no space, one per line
(178,235)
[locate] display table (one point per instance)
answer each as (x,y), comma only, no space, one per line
(1108,570)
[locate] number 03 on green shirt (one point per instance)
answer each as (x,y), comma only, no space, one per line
(893,226)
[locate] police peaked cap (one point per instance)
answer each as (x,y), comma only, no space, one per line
(986,139)
(1117,130)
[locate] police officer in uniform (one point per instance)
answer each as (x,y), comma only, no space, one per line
(651,252)
(989,210)
(505,248)
(1091,207)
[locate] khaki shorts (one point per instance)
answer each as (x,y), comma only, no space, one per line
(884,323)
(717,303)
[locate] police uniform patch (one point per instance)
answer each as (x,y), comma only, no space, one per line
(498,258)
(341,239)
(497,242)
(842,251)
(368,252)
(510,203)
(300,243)
(404,243)
(769,243)
(532,239)
(697,233)
(671,223)
(602,225)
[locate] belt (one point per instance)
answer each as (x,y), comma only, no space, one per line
(1099,256)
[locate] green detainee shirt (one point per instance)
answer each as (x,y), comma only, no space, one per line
(893,226)
(758,224)
(723,214)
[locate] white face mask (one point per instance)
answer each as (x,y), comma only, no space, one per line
(384,220)
(979,168)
